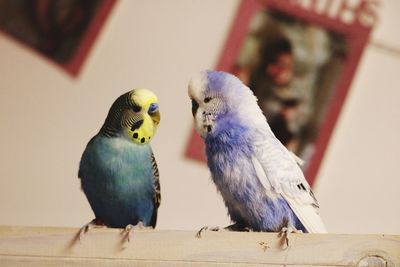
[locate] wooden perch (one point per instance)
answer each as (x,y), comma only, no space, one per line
(44,246)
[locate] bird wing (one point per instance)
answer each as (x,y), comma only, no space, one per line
(157,191)
(279,172)
(80,171)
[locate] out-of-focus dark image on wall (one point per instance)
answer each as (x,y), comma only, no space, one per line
(292,67)
(61,30)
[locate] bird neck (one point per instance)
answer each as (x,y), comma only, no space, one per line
(229,133)
(112,125)
(110,130)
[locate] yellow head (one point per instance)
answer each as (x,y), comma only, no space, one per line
(134,115)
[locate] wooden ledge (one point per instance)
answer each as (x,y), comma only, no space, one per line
(50,246)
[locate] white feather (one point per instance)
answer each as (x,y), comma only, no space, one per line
(298,160)
(261,175)
(277,168)
(307,214)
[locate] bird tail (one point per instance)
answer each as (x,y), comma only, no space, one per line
(308,216)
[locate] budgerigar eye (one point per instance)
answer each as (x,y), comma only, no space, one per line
(153,108)
(195,106)
(207,99)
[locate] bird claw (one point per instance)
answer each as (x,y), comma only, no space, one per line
(285,233)
(231,228)
(237,228)
(129,229)
(85,228)
(207,228)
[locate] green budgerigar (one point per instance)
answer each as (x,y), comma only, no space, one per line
(118,171)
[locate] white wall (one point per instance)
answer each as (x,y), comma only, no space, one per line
(47,118)
(359,183)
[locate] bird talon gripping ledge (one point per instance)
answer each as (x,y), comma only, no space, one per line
(207,228)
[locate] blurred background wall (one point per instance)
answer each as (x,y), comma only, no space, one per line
(47,118)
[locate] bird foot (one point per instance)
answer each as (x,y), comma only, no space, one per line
(129,229)
(285,233)
(92,224)
(232,227)
(237,228)
(127,233)
(207,228)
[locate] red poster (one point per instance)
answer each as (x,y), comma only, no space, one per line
(62,31)
(299,58)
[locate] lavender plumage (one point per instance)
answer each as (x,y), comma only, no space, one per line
(260,181)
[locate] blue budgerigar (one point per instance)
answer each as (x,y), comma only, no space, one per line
(261,183)
(118,171)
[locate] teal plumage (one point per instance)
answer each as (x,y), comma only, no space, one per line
(118,171)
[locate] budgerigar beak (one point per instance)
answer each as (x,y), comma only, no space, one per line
(156,117)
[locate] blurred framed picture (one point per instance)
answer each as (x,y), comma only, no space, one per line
(63,31)
(298,57)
